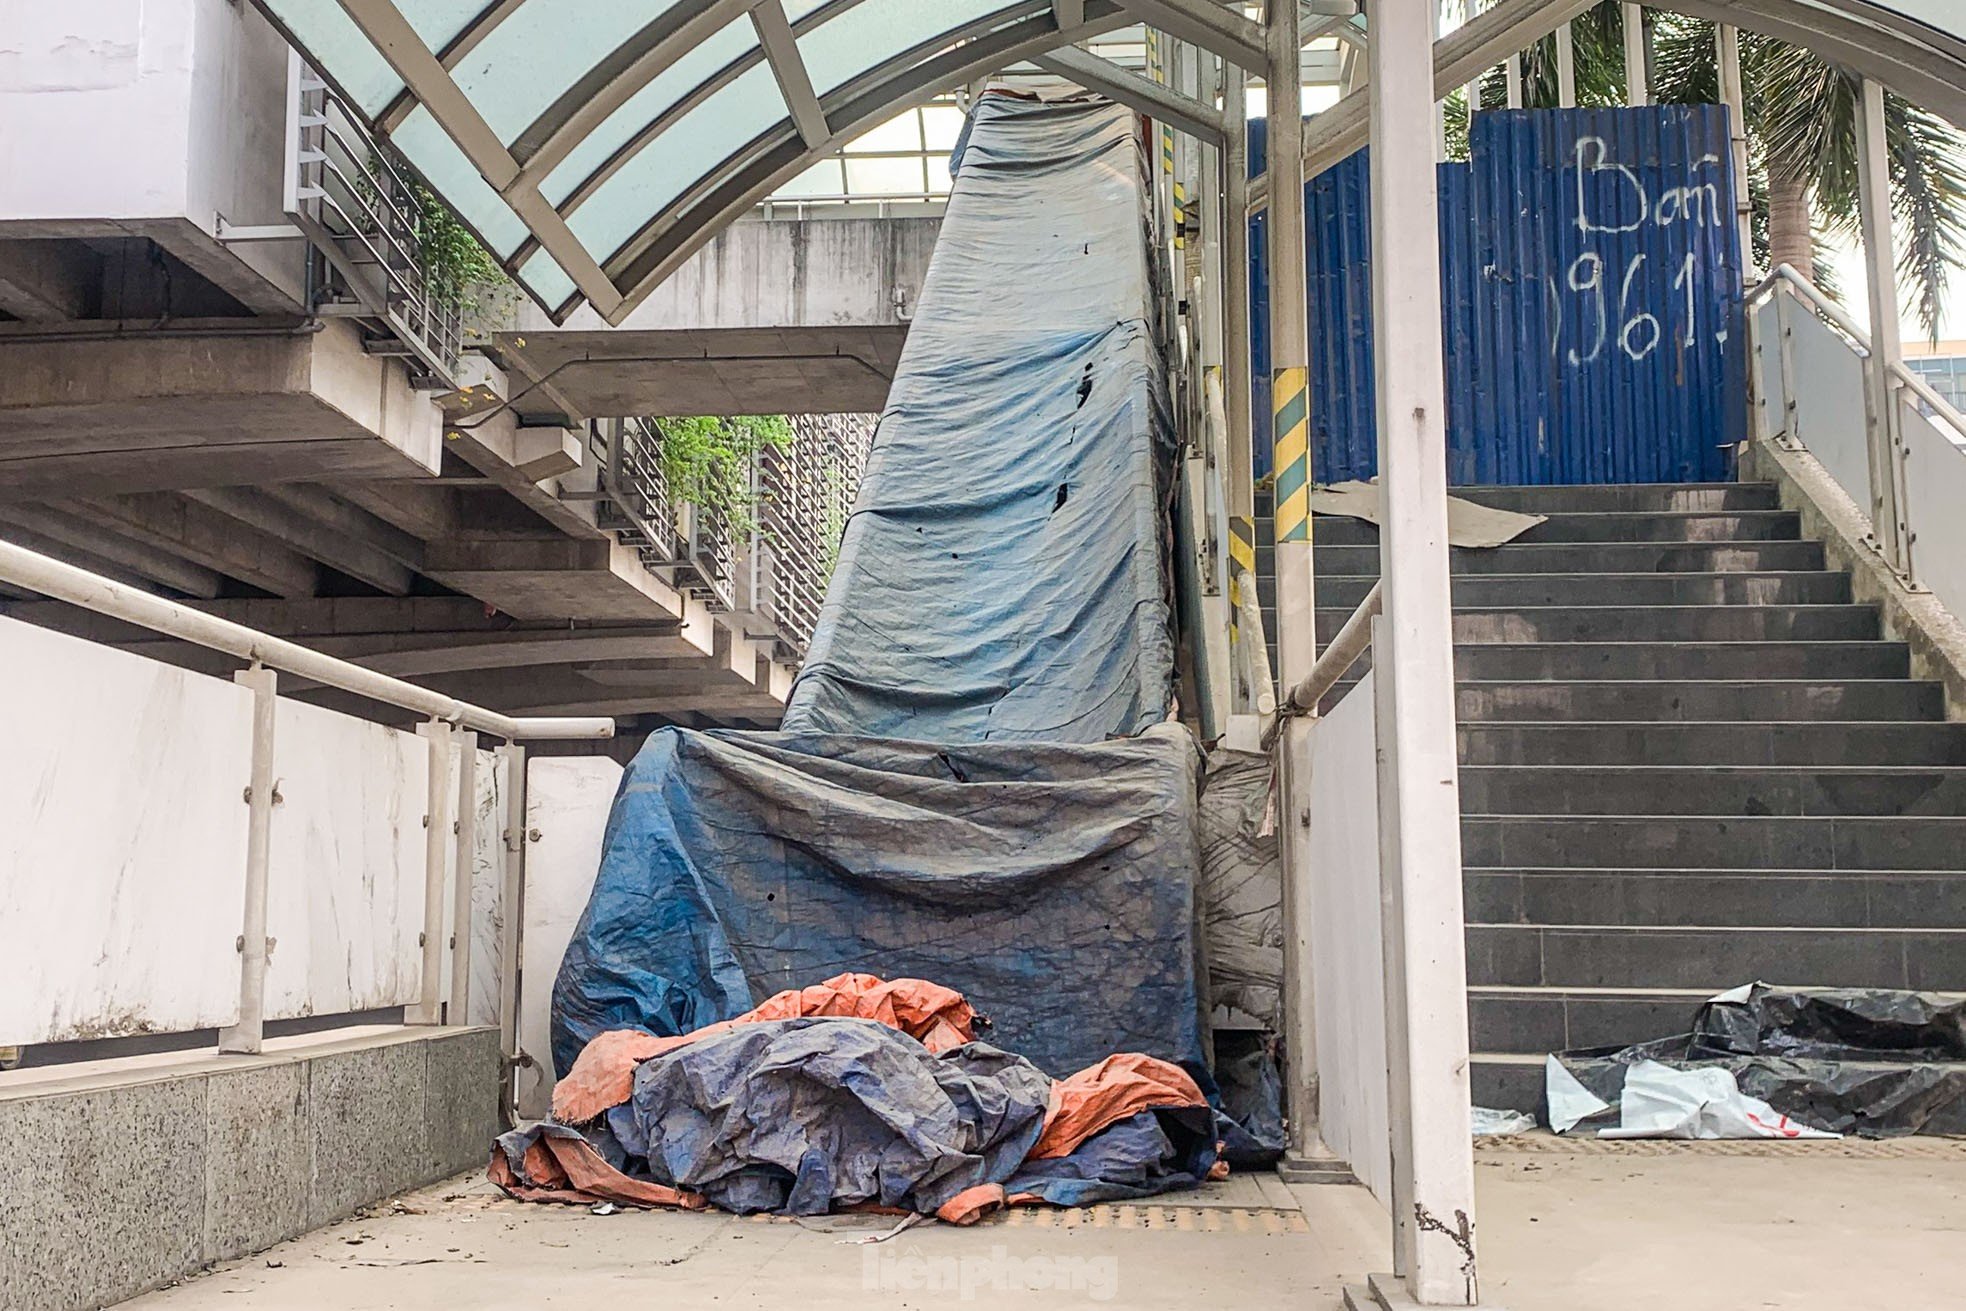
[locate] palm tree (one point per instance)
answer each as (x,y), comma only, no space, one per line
(1802,135)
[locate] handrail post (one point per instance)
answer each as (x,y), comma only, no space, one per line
(428,1008)
(1887,346)
(466,828)
(245,1036)
(511,911)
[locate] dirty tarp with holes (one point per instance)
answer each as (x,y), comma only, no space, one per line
(973,783)
(1053,885)
(1002,577)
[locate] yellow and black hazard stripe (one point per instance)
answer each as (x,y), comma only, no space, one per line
(1290,397)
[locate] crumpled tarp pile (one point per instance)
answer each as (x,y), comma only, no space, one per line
(855,1094)
(1764,1061)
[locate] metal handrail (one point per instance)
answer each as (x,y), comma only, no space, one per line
(1785,278)
(64,582)
(1339,655)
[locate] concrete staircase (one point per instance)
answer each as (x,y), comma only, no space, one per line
(1687,762)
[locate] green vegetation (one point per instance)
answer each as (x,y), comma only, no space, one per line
(458,270)
(707,461)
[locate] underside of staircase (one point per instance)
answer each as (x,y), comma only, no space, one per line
(1688,761)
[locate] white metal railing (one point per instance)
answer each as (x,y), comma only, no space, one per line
(361,214)
(449,837)
(1895,445)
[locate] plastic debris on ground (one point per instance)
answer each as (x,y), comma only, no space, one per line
(856,1094)
(1874,1062)
(1487,1122)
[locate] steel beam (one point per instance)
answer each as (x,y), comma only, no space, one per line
(794,82)
(1207,24)
(1067,13)
(1135,92)
(1427,1021)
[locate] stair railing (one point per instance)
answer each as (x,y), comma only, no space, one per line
(1814,390)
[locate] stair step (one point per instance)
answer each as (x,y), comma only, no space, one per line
(1340,560)
(1512,1082)
(1732,700)
(1495,591)
(1761,898)
(1679,661)
(1715,842)
(1753,790)
(1671,665)
(1542,1020)
(1629,497)
(1655,623)
(1609,526)
(1595,956)
(1830,743)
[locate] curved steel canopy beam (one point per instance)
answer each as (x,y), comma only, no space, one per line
(1913,57)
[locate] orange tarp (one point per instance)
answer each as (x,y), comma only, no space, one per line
(603,1076)
(1117,1087)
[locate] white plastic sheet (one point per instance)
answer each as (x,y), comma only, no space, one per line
(1662,1102)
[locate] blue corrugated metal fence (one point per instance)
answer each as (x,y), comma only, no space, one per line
(1591,288)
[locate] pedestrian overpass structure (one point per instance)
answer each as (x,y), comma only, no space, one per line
(611,157)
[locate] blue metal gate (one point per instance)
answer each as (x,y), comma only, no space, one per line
(1591,289)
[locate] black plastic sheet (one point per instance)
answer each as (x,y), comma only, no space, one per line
(1874,1062)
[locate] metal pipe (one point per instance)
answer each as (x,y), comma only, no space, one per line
(1339,655)
(64,582)
(1727,40)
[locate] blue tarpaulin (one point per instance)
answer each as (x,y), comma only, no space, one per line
(973,785)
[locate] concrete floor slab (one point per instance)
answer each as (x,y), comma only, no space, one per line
(1691,1226)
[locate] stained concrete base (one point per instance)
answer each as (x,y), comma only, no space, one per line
(124,1175)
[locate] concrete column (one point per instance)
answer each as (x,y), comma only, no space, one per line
(1432,1152)
(1638,90)
(1297,636)
(1513,70)
(1887,489)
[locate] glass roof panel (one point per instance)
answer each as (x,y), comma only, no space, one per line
(439,21)
(547,281)
(874,31)
(797,9)
(716,51)
(431,151)
(694,145)
(337,46)
(532,58)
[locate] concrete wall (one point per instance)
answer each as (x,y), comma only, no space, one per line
(125,118)
(121,1180)
(780,273)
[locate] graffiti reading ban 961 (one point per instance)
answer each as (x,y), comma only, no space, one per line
(1627,205)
